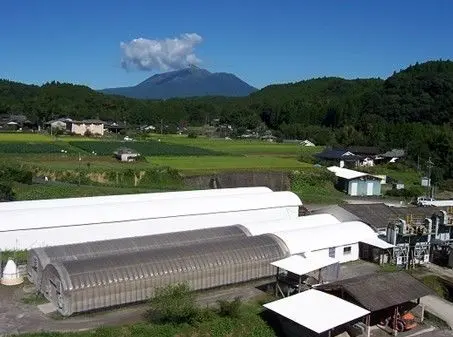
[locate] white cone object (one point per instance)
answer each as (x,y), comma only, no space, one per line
(11,274)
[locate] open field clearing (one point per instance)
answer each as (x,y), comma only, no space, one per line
(24,137)
(149,148)
(190,164)
(240,146)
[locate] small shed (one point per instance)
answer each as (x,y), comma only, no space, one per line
(126,154)
(383,294)
(356,183)
(315,313)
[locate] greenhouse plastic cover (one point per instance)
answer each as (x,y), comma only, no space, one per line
(139,197)
(154,263)
(322,311)
(301,265)
(333,235)
(257,228)
(107,213)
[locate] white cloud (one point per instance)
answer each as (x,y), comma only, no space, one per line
(168,54)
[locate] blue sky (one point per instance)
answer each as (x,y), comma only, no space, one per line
(263,42)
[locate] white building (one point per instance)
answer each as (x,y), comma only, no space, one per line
(38,227)
(339,241)
(93,127)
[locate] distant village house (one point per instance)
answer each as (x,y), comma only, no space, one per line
(94,127)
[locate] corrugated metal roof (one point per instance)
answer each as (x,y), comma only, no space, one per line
(125,198)
(345,173)
(323,311)
(378,215)
(107,213)
(39,258)
(382,290)
(155,263)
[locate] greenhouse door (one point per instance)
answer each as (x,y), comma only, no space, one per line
(369,188)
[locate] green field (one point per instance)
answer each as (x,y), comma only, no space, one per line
(190,156)
(148,148)
(191,164)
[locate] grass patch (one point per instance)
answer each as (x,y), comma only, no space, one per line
(51,191)
(34,299)
(238,146)
(18,256)
(27,147)
(24,137)
(149,148)
(316,185)
(205,164)
(433,282)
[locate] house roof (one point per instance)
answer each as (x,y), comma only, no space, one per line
(364,150)
(337,154)
(325,311)
(382,290)
(348,174)
(394,153)
(89,121)
(125,150)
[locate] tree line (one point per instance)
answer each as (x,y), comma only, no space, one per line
(412,109)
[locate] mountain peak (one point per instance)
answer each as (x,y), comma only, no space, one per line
(187,82)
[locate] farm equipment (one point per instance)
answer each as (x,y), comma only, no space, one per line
(402,323)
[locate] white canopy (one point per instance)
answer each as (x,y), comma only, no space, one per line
(376,242)
(316,310)
(301,265)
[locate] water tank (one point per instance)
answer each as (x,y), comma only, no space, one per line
(11,274)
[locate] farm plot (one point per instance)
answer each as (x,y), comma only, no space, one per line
(149,148)
(40,147)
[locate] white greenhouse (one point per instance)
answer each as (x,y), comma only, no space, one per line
(29,228)
(126,198)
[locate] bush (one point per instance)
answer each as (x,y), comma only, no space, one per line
(230,308)
(10,174)
(6,193)
(192,134)
(407,193)
(173,304)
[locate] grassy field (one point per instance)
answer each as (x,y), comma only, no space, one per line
(194,165)
(190,156)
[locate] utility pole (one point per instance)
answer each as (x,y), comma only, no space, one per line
(429,165)
(161,126)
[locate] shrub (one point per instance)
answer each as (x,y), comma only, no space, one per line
(192,134)
(6,193)
(19,175)
(173,304)
(230,308)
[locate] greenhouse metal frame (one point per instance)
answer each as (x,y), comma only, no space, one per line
(39,258)
(84,285)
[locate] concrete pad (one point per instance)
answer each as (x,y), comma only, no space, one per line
(47,308)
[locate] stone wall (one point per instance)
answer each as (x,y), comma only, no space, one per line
(277,181)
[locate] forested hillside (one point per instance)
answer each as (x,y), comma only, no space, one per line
(412,109)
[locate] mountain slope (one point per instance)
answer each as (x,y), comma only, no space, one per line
(188,82)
